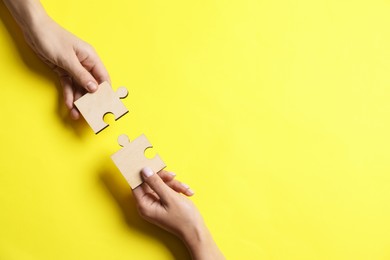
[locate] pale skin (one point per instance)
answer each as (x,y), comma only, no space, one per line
(77,64)
(160,198)
(159,201)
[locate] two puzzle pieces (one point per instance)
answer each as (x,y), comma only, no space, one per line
(130,160)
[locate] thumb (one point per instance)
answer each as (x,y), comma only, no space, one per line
(156,184)
(82,76)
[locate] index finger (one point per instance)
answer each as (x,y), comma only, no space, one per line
(96,67)
(100,73)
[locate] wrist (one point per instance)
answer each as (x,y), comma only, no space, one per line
(194,235)
(200,243)
(29,14)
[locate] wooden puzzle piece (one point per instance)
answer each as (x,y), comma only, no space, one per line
(94,106)
(131,159)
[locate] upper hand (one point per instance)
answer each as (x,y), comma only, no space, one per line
(75,61)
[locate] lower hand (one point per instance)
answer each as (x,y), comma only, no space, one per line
(159,201)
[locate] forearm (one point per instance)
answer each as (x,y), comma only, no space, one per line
(201,244)
(27,13)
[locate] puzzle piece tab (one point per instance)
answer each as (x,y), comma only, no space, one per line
(131,159)
(93,106)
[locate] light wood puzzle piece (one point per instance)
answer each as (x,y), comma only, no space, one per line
(94,106)
(131,159)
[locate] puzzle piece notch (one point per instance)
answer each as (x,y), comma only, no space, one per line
(94,106)
(130,160)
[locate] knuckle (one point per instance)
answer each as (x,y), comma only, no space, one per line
(82,75)
(89,49)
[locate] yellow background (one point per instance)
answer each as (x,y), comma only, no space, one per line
(276,113)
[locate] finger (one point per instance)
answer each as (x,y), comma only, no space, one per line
(80,74)
(99,71)
(67,90)
(180,187)
(91,61)
(149,190)
(143,198)
(78,92)
(74,113)
(138,193)
(187,190)
(157,184)
(166,176)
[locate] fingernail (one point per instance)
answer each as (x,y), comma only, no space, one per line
(185,186)
(172,173)
(191,192)
(147,172)
(91,86)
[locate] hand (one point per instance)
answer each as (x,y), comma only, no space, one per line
(159,201)
(169,179)
(75,61)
